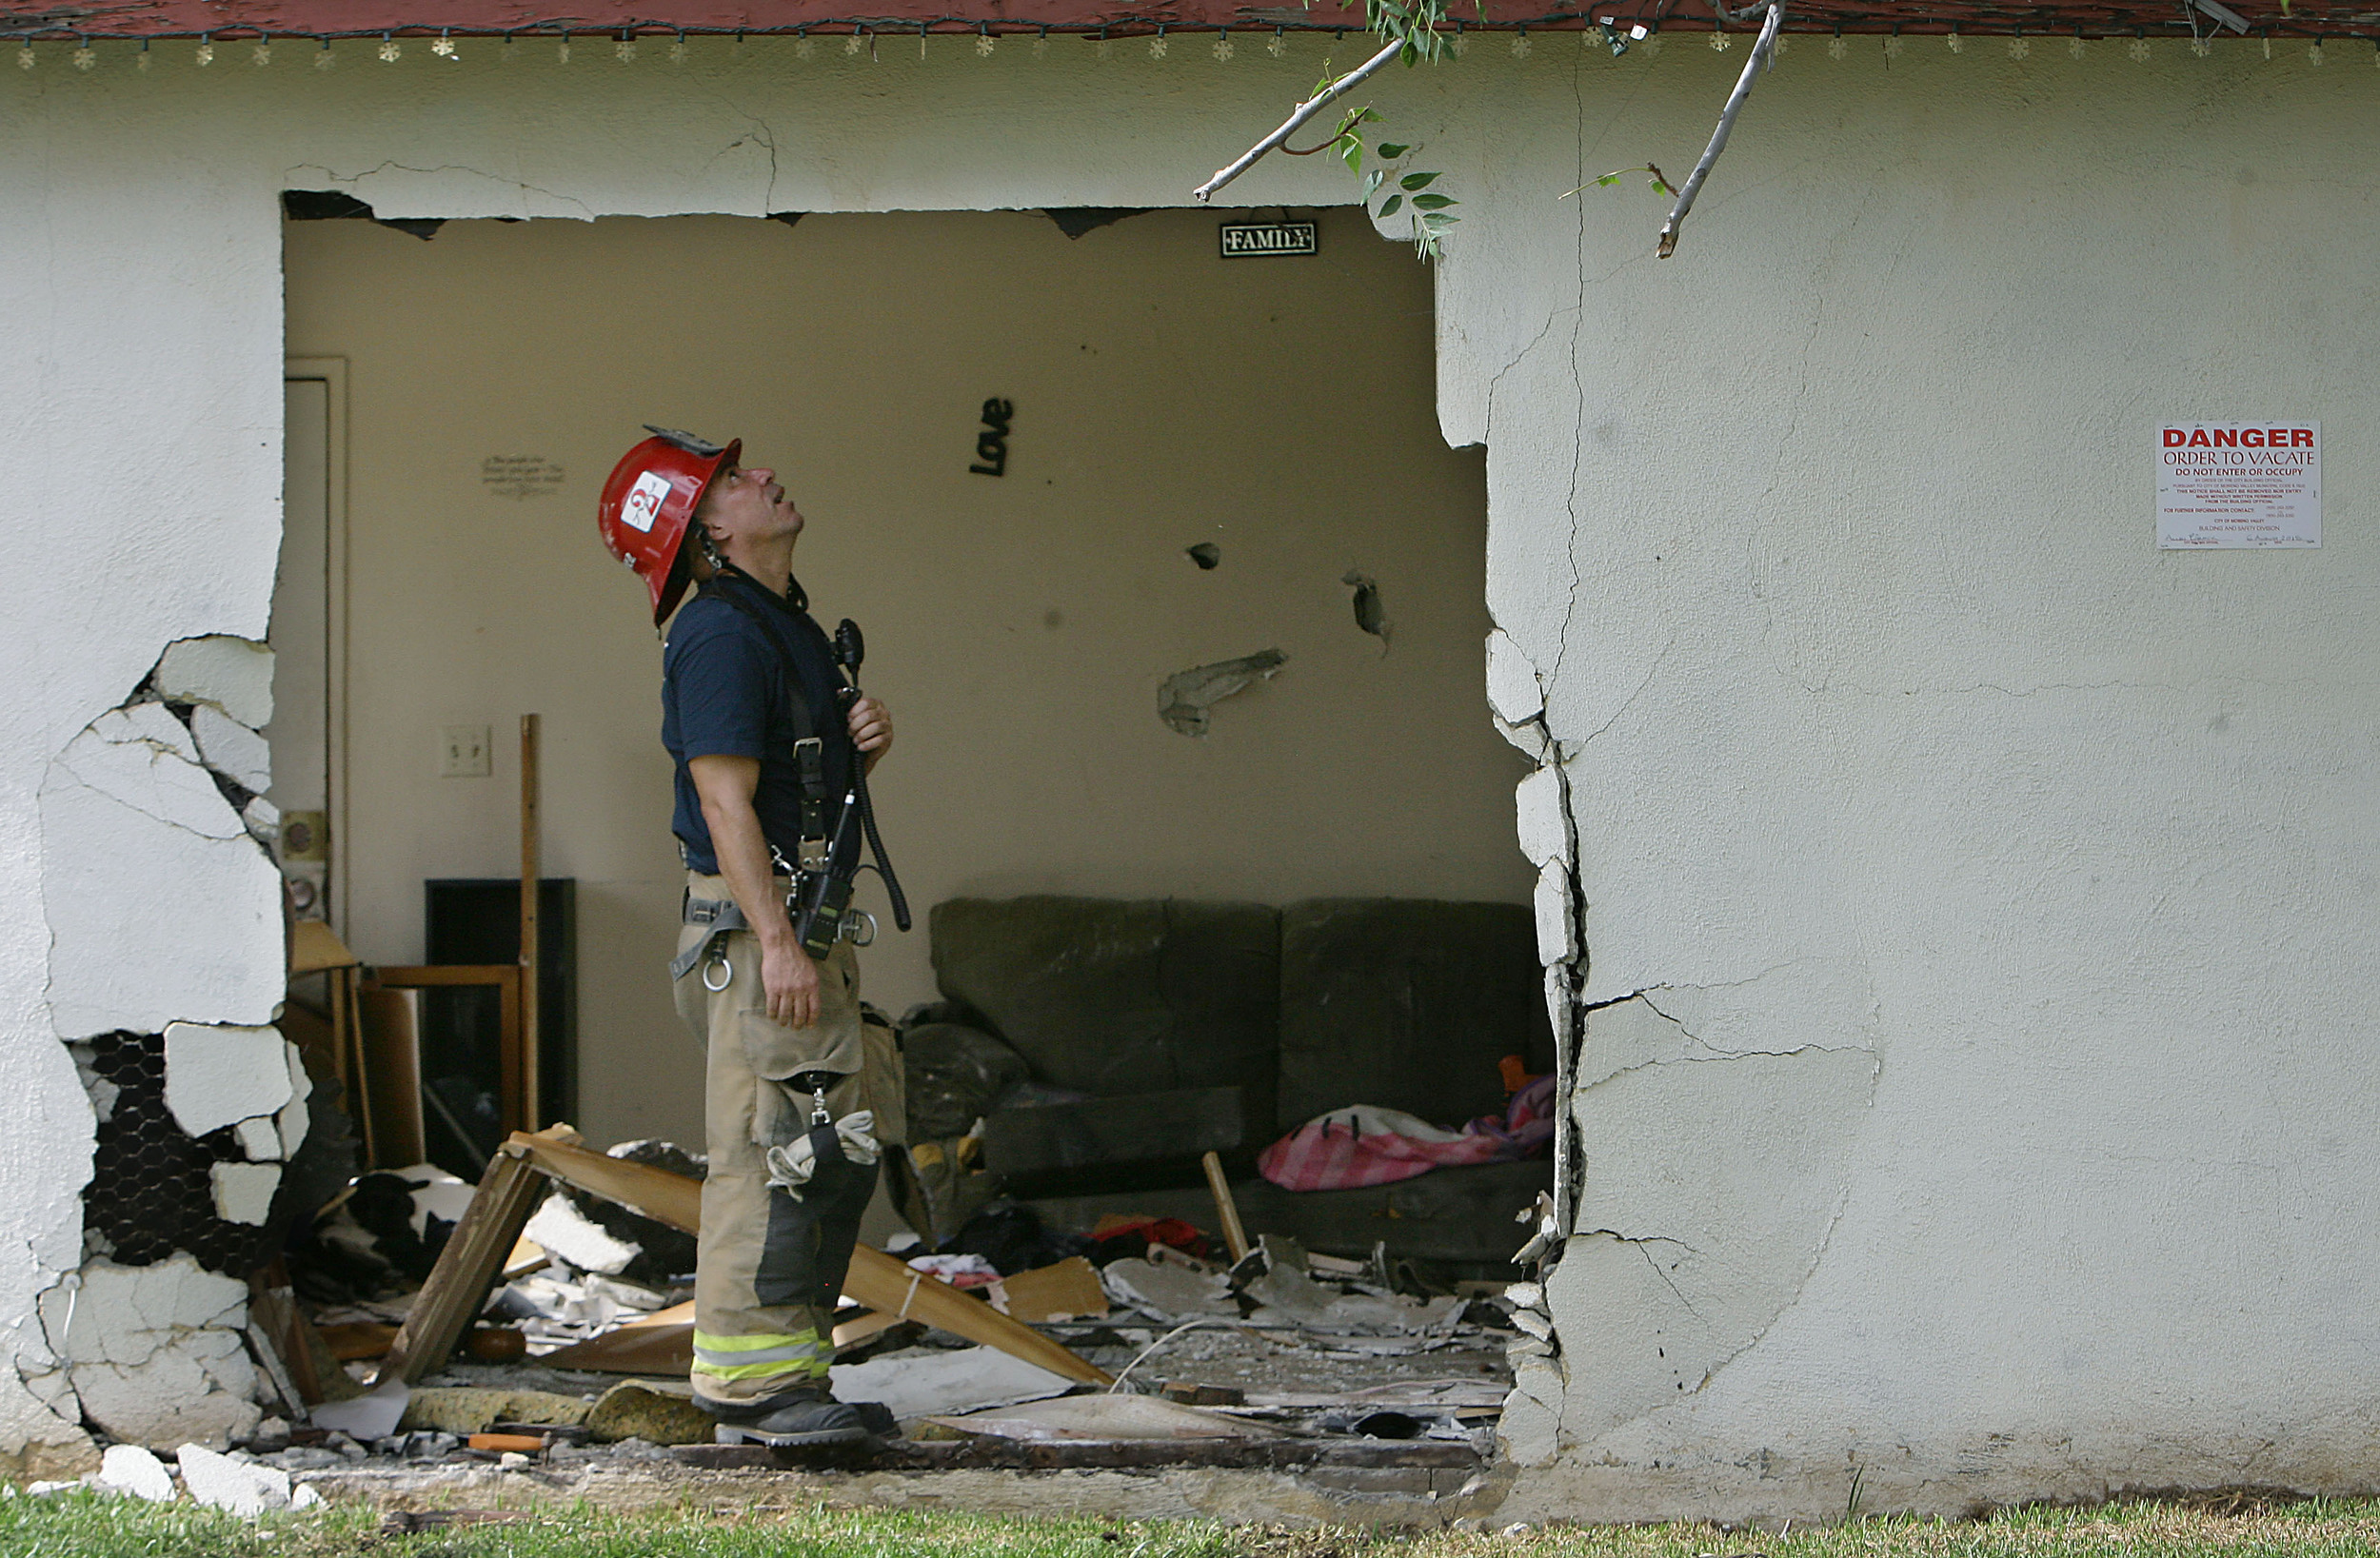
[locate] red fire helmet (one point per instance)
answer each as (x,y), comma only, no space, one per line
(648,500)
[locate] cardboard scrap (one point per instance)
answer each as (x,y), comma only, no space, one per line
(1068,1291)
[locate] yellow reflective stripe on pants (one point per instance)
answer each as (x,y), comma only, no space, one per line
(749,1357)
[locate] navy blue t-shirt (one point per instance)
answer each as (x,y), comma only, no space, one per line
(723,694)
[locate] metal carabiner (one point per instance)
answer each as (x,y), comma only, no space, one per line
(718,960)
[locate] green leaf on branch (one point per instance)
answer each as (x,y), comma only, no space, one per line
(1390,149)
(1416,181)
(1353,152)
(1435,202)
(1388,207)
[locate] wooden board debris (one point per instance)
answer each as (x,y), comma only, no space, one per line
(876,1279)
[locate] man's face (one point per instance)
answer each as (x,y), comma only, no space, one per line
(744,502)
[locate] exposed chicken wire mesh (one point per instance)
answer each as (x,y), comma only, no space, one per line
(151,1190)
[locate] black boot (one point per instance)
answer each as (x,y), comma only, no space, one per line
(813,1417)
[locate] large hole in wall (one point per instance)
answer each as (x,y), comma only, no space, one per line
(1211,635)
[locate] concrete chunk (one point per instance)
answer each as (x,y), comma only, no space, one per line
(243,1487)
(244,1191)
(129,1469)
(231,749)
(220,1075)
(233,674)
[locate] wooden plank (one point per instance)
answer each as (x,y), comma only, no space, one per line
(531,1061)
(468,1266)
(1235,1236)
(314,946)
(631,1349)
(390,1067)
(662,1343)
(876,1279)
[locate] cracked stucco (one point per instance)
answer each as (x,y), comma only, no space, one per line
(1961,1008)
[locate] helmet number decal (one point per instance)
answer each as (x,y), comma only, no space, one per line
(642,506)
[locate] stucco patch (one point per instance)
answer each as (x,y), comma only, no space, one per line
(1545,828)
(1513,688)
(231,749)
(160,905)
(156,1352)
(244,1191)
(1710,1183)
(233,674)
(217,1076)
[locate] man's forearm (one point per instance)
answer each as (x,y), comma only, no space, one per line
(742,852)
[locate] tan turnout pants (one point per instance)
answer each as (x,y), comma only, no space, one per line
(751,1347)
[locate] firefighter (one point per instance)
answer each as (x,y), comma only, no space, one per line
(771,741)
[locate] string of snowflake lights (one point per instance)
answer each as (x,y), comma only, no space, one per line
(2138,26)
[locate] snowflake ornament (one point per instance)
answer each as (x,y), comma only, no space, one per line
(391,51)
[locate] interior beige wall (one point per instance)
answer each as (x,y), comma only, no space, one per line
(1019,627)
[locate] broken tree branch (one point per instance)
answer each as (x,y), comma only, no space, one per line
(1762,53)
(1304,111)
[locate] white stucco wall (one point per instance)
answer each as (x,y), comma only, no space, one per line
(1973,1069)
(1980,990)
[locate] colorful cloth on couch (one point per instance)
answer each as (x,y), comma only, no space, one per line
(1365,1144)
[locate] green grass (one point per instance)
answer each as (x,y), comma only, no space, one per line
(81,1525)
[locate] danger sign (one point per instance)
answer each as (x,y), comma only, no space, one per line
(2239,483)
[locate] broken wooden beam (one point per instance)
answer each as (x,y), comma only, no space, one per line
(876,1279)
(475,1253)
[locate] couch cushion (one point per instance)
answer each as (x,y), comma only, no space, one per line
(1150,1126)
(1117,997)
(1407,1002)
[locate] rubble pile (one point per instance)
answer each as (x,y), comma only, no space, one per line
(575,1362)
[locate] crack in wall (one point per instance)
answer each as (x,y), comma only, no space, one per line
(349,180)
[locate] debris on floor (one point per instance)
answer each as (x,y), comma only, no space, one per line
(918,1381)
(1107,1418)
(1139,1345)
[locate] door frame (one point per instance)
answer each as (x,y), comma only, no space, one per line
(332,372)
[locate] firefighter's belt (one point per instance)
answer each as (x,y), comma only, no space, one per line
(720,914)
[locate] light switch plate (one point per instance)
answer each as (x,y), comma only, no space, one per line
(463,751)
